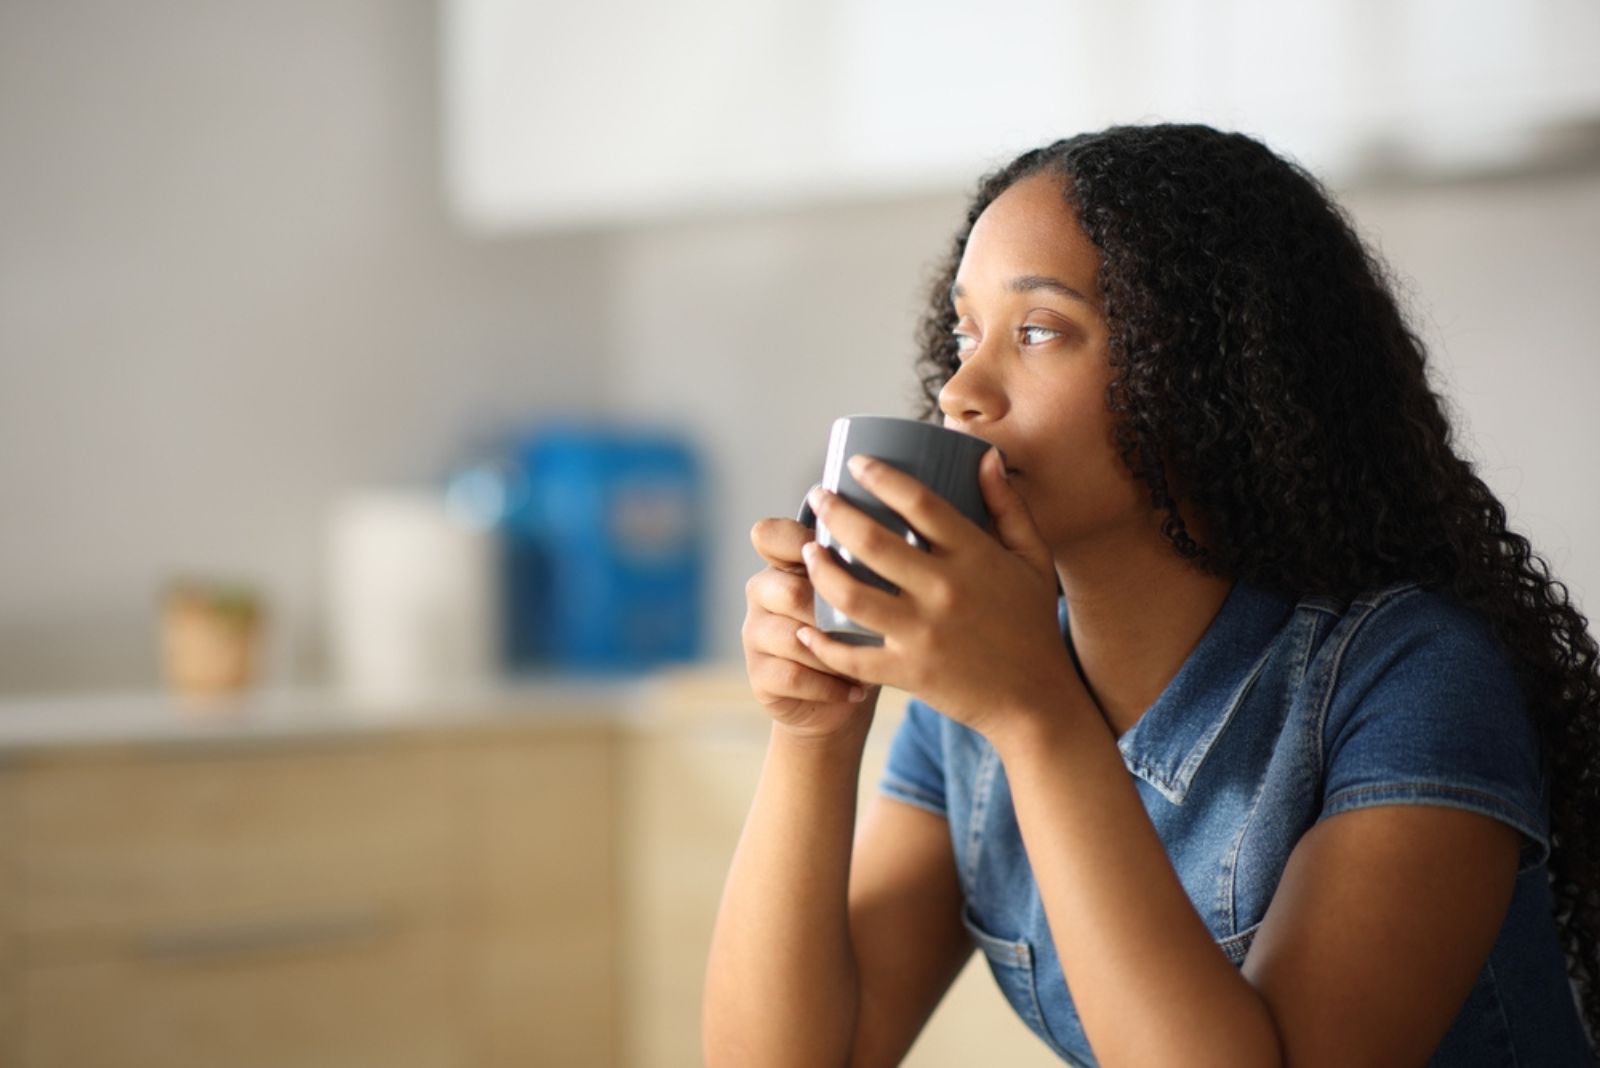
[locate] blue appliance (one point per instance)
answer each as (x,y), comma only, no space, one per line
(604,550)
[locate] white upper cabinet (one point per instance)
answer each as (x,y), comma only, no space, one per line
(605,111)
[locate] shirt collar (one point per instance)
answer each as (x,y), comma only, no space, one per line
(1166,746)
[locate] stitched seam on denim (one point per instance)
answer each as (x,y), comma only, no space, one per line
(1334,668)
(1244,937)
(1496,806)
(1227,881)
(1000,952)
(1505,1021)
(1176,788)
(1379,598)
(981,792)
(911,796)
(1302,656)
(890,779)
(1197,755)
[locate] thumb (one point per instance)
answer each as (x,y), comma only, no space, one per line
(1013,521)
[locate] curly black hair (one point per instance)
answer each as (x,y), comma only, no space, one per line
(1265,372)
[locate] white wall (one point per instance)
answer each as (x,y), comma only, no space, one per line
(228,288)
(1501,277)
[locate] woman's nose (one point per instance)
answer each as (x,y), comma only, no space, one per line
(971,395)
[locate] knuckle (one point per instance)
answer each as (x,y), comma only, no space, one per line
(847,598)
(941,595)
(797,594)
(789,675)
(875,539)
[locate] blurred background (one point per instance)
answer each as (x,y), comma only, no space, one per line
(387,388)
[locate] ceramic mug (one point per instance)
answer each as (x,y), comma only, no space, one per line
(946,461)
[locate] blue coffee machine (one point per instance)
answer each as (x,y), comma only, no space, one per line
(604,550)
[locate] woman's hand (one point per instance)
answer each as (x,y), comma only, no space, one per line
(797,690)
(974,630)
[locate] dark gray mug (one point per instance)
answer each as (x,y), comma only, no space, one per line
(946,461)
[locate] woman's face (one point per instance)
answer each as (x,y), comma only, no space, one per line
(1034,369)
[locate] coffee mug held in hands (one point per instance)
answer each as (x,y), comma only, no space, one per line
(946,461)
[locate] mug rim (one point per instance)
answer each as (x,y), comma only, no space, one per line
(914,422)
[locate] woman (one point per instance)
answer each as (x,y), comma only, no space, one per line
(1300,768)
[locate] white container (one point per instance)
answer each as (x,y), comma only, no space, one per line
(412,597)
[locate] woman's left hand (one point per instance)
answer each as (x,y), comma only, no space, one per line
(973,631)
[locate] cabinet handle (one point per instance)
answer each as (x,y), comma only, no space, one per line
(243,939)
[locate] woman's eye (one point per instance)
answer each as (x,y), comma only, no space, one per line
(963,342)
(1036,330)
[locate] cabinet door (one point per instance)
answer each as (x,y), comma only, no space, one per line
(10,956)
(117,846)
(543,961)
(242,903)
(330,991)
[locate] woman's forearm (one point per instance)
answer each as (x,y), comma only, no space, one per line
(781,982)
(1147,979)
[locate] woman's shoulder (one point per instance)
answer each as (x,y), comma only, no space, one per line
(1421,703)
(1379,630)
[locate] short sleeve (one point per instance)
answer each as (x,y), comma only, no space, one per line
(1427,710)
(915,770)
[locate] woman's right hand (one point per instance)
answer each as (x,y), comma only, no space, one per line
(796,690)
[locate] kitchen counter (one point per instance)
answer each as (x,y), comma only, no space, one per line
(708,698)
(262,716)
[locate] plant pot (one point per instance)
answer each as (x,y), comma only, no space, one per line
(210,635)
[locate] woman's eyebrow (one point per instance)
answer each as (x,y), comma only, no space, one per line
(1027,283)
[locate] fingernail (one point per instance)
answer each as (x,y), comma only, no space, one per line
(860,466)
(804,634)
(817,498)
(857,693)
(809,550)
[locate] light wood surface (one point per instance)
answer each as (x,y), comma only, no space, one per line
(10,956)
(486,894)
(418,900)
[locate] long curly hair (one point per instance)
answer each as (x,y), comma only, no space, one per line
(1263,369)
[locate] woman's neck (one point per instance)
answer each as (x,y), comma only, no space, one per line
(1134,618)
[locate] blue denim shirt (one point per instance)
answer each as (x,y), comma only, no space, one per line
(1283,715)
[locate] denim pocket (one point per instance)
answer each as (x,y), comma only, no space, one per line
(1013,968)
(1237,946)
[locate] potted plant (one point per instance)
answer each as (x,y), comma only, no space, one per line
(210,634)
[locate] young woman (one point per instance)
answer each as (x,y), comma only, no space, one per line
(1303,764)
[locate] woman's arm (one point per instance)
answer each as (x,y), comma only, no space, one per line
(1370,945)
(782,983)
(806,972)
(816,960)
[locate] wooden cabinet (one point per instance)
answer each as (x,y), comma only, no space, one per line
(513,893)
(430,899)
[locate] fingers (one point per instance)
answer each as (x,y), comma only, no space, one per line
(776,678)
(780,604)
(1013,520)
(782,593)
(873,608)
(870,542)
(775,636)
(779,540)
(928,513)
(842,658)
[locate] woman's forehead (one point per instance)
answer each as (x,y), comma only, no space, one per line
(1030,229)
